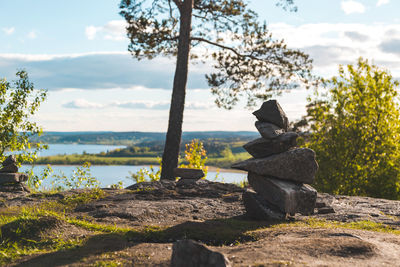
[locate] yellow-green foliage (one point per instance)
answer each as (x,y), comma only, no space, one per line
(151,174)
(80,178)
(19,100)
(25,234)
(83,198)
(196,156)
(355,126)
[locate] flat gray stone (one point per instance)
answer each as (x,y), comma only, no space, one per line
(183,182)
(259,209)
(289,197)
(268,130)
(11,168)
(194,254)
(272,112)
(12,178)
(14,187)
(186,173)
(298,165)
(261,147)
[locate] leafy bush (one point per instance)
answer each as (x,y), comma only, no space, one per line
(355,127)
(195,155)
(18,101)
(144,174)
(80,178)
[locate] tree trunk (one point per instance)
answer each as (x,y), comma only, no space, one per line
(174,133)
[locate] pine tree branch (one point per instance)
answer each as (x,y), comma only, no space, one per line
(223,47)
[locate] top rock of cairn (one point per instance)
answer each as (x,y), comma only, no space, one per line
(9,165)
(272,112)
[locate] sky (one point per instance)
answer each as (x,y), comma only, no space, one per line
(77,50)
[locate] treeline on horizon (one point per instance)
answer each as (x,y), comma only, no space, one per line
(223,148)
(134,138)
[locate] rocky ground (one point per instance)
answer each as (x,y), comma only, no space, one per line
(361,232)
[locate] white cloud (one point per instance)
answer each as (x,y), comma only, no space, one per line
(382,2)
(32,35)
(199,105)
(46,57)
(91,31)
(342,43)
(113,30)
(95,71)
(82,104)
(350,6)
(134,104)
(159,105)
(141,104)
(8,31)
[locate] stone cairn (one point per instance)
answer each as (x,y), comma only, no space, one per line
(188,176)
(10,179)
(279,171)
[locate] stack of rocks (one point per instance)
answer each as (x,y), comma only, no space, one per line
(188,175)
(10,179)
(279,171)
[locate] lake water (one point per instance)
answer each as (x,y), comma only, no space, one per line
(108,175)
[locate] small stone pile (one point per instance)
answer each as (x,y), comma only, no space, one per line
(279,172)
(188,176)
(10,179)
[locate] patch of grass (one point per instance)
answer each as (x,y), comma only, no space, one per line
(83,198)
(113,258)
(107,263)
(358,225)
(10,251)
(142,190)
(34,230)
(30,232)
(96,227)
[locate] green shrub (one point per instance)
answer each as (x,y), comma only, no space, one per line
(195,156)
(355,126)
(18,102)
(80,178)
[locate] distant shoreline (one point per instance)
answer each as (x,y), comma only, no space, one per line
(210,168)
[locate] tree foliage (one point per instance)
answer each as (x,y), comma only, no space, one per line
(18,102)
(247,59)
(355,127)
(196,156)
